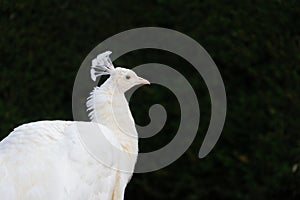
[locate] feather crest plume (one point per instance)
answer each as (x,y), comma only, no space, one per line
(101,65)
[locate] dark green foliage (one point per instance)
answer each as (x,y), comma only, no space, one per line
(256,45)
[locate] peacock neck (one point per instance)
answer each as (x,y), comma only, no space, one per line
(108,106)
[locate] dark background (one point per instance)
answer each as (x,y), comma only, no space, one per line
(255,44)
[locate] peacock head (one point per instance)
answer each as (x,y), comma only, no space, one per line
(123,78)
(126,79)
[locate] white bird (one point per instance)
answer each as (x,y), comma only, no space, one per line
(48,159)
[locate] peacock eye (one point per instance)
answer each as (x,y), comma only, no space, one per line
(127,77)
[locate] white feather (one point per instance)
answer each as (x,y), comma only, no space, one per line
(48,159)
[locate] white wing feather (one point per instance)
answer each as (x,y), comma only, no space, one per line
(45,160)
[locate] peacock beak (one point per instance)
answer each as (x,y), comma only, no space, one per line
(142,81)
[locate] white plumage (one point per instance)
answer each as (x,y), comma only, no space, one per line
(48,160)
